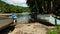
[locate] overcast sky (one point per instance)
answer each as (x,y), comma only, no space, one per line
(16,2)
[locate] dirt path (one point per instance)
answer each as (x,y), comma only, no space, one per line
(33,28)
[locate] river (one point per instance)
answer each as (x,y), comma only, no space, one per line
(26,17)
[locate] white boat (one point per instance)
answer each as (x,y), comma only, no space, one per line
(48,19)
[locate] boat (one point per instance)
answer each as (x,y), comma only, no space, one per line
(5,22)
(48,19)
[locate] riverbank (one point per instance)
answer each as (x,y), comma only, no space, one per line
(33,28)
(28,28)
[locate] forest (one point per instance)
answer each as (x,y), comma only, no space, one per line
(44,6)
(8,8)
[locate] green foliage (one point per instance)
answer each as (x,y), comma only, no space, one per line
(6,8)
(54,31)
(49,6)
(58,27)
(36,5)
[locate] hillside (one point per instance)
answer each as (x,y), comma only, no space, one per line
(6,8)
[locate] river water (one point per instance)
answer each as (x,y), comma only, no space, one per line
(26,17)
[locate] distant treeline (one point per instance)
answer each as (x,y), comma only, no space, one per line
(6,8)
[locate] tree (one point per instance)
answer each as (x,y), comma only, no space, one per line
(57,8)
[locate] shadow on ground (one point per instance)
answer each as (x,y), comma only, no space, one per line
(7,30)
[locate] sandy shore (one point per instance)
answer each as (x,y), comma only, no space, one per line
(33,28)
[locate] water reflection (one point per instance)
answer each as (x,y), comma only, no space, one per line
(24,18)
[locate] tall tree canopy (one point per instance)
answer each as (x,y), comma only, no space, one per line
(45,6)
(57,7)
(35,5)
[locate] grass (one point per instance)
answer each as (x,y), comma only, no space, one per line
(54,31)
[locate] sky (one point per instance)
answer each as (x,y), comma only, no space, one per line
(17,2)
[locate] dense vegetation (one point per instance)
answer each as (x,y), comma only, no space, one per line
(45,6)
(6,8)
(40,6)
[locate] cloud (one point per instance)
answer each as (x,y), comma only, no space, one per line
(17,2)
